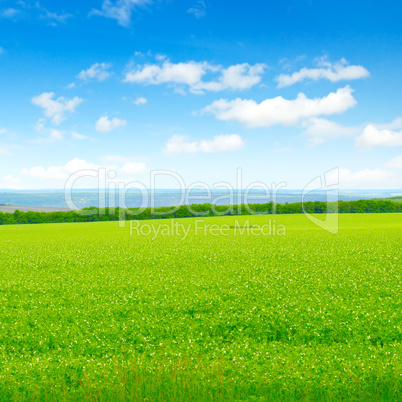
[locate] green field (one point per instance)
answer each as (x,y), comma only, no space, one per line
(88,311)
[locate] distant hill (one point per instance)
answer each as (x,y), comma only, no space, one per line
(12,208)
(394,199)
(165,198)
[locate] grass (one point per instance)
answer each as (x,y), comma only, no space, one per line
(88,311)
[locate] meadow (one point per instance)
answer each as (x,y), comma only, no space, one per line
(94,311)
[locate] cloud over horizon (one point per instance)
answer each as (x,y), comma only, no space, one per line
(374,137)
(320,130)
(368,179)
(279,110)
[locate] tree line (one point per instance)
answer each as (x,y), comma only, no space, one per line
(94,214)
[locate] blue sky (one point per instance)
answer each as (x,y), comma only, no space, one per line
(285,90)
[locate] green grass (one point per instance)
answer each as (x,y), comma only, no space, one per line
(89,312)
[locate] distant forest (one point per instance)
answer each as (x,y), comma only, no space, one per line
(94,214)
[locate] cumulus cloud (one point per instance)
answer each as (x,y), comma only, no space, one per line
(141,101)
(236,77)
(220,143)
(332,72)
(104,124)
(322,130)
(395,163)
(279,110)
(56,108)
(198,9)
(97,71)
(58,172)
(372,136)
(191,74)
(394,125)
(119,10)
(368,178)
(188,73)
(11,182)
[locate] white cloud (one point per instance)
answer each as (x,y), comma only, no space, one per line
(40,124)
(239,76)
(120,10)
(374,137)
(3,130)
(79,136)
(97,71)
(242,76)
(53,136)
(198,9)
(8,13)
(220,143)
(368,179)
(394,125)
(56,134)
(288,64)
(332,72)
(395,163)
(133,169)
(279,110)
(56,176)
(11,182)
(3,151)
(179,143)
(55,109)
(104,124)
(53,17)
(191,74)
(58,172)
(141,101)
(322,130)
